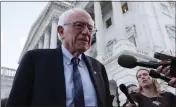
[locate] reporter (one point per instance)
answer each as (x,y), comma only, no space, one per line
(150,94)
(131,88)
(3,102)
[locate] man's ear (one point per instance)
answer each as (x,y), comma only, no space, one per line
(60,30)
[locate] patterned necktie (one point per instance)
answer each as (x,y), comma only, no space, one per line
(78,88)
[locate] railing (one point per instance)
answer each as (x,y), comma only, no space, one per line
(7,71)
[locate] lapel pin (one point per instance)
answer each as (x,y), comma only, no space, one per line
(95,72)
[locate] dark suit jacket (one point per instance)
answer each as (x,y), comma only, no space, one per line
(40,81)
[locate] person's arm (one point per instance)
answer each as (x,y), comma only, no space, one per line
(20,94)
(124,105)
(172,99)
(136,98)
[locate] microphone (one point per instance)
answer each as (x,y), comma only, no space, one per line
(172,60)
(161,56)
(128,61)
(155,74)
(123,88)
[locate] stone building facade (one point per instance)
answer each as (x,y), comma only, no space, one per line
(133,28)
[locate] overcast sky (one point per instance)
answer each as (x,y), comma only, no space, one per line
(16,21)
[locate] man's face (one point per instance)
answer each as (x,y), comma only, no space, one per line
(77,34)
(143,78)
(132,89)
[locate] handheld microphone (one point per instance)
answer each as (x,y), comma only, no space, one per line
(123,88)
(161,56)
(155,74)
(128,61)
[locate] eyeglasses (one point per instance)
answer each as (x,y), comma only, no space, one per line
(81,25)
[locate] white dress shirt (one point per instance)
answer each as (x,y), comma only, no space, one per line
(90,97)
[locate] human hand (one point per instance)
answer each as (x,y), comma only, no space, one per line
(173,82)
(132,105)
(165,70)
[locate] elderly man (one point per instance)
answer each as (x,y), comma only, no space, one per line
(64,76)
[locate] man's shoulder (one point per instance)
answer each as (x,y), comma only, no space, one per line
(93,60)
(40,52)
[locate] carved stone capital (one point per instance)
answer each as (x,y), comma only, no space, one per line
(171,30)
(55,17)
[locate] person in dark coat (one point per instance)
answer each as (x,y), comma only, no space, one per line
(64,76)
(3,102)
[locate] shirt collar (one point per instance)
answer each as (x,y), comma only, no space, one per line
(68,56)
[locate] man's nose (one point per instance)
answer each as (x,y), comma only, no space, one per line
(142,77)
(86,30)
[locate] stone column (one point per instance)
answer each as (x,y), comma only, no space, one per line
(40,43)
(161,27)
(118,20)
(54,34)
(99,34)
(46,39)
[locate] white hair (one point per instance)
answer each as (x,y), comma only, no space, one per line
(65,15)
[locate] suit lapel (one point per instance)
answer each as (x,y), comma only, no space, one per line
(59,67)
(96,80)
